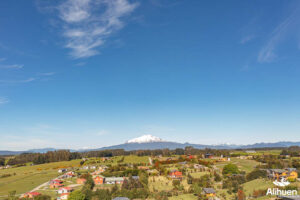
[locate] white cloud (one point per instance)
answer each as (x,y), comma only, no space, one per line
(102,132)
(18,81)
(47,74)
(3,100)
(11,66)
(246,39)
(87,23)
(2,59)
(267,52)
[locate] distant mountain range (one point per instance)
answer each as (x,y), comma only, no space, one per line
(151,142)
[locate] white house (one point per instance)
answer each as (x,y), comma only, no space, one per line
(64,190)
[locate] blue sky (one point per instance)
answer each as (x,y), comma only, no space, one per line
(85,74)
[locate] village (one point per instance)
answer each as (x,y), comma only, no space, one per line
(211,175)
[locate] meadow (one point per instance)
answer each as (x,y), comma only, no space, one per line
(26,178)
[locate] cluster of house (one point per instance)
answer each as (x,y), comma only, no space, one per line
(279,174)
(217,158)
(99,180)
(30,195)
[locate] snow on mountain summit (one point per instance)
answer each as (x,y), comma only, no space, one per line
(145,139)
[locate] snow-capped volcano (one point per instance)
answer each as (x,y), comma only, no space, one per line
(145,139)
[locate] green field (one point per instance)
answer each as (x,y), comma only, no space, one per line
(257,184)
(198,174)
(160,183)
(245,165)
(26,178)
(118,160)
(184,197)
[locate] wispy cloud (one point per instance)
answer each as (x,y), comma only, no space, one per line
(11,66)
(81,64)
(3,100)
(47,74)
(18,81)
(2,59)
(246,39)
(267,52)
(102,132)
(88,23)
(164,4)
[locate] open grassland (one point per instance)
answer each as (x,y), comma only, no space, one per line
(257,184)
(118,160)
(26,178)
(245,165)
(199,174)
(160,183)
(136,159)
(259,153)
(184,197)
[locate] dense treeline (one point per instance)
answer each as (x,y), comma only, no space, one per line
(2,161)
(293,151)
(272,161)
(39,158)
(163,152)
(65,155)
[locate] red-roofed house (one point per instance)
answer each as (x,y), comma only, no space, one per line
(55,185)
(31,195)
(70,174)
(175,174)
(99,180)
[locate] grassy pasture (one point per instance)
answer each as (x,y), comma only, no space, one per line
(245,165)
(184,197)
(27,178)
(257,184)
(160,183)
(118,160)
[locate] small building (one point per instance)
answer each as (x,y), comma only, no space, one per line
(70,174)
(81,181)
(62,170)
(55,185)
(209,192)
(292,173)
(175,174)
(278,174)
(114,180)
(64,190)
(31,195)
(208,155)
(63,196)
(99,180)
